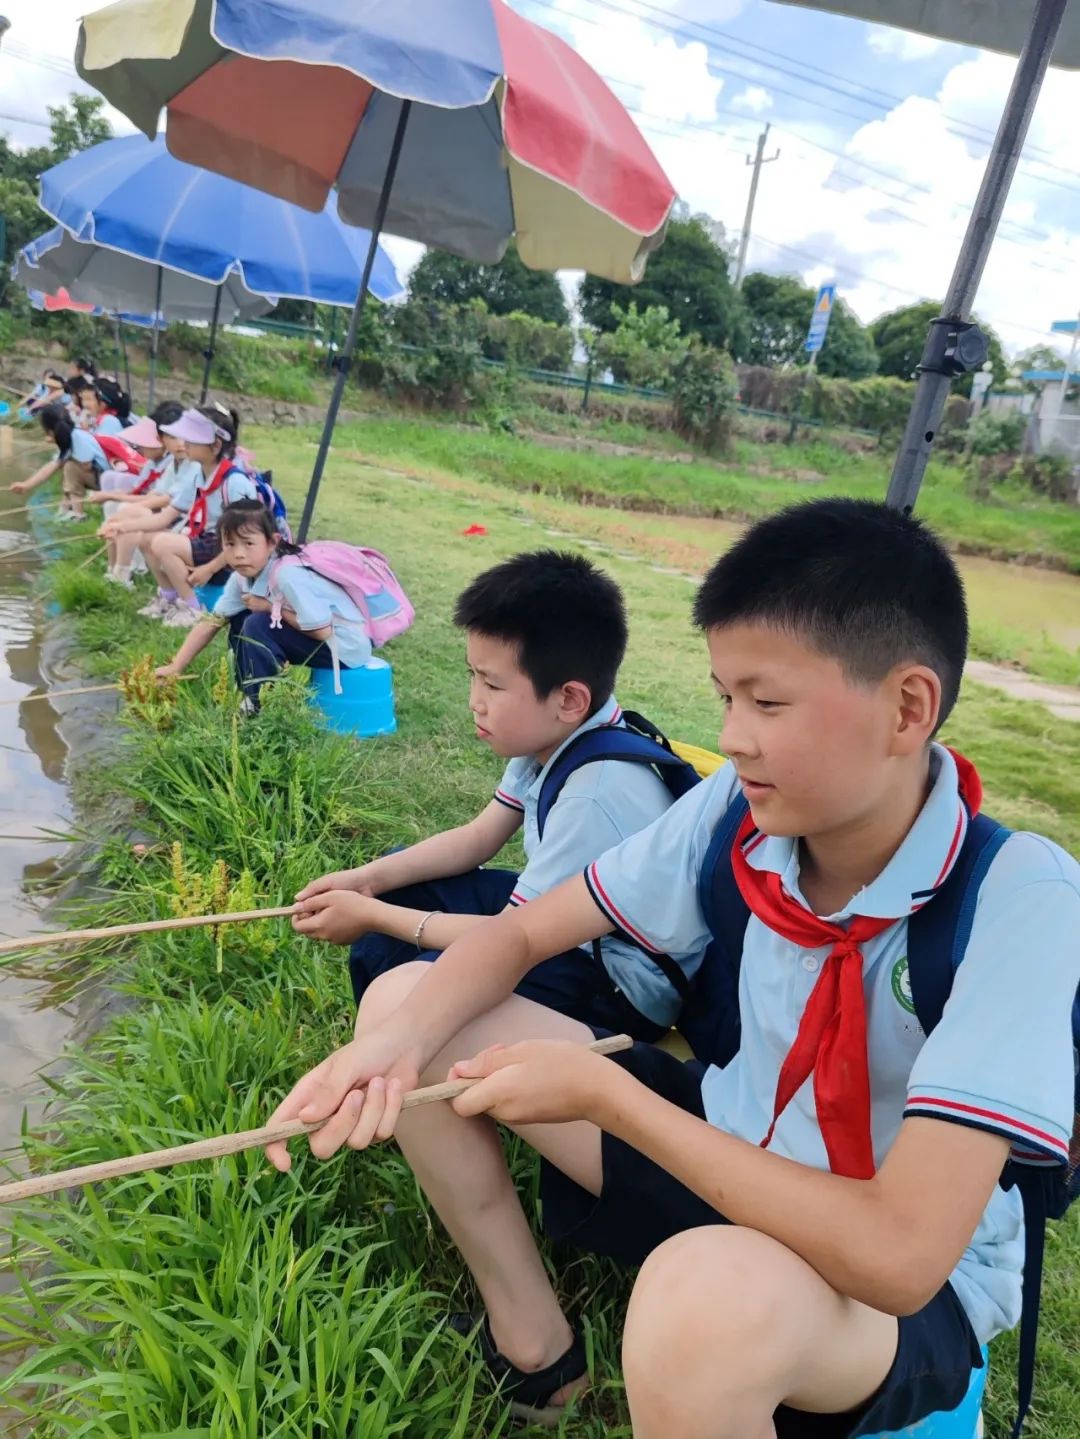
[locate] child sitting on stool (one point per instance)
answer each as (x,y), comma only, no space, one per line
(318,619)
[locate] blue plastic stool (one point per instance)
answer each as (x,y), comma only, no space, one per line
(365,706)
(964,1422)
(208,595)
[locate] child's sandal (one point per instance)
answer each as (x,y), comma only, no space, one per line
(529,1394)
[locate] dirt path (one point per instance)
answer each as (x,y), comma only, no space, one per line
(1061,700)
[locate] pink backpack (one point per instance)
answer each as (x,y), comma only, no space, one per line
(365,576)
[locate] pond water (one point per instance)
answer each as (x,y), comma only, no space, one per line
(33,796)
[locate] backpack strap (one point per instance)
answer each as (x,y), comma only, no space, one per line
(938,937)
(938,933)
(727,915)
(615,742)
(594,745)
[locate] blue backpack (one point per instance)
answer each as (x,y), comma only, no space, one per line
(263,481)
(937,938)
(640,742)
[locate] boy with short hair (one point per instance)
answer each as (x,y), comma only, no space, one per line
(545,636)
(824,1239)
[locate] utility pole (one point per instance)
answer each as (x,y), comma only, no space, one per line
(757,162)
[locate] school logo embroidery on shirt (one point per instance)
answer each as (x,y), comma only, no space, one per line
(901,985)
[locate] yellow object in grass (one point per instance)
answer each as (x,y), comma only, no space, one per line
(705,761)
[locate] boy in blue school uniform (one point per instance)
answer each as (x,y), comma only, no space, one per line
(545,636)
(824,1243)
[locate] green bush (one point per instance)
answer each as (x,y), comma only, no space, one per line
(644,348)
(1046,474)
(703,392)
(441,369)
(522,339)
(995,433)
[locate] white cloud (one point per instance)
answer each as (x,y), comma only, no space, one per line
(754,99)
(37,66)
(903,44)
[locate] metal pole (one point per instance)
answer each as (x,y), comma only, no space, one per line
(208,353)
(354,323)
(154,337)
(331,339)
(744,239)
(116,342)
(124,352)
(934,383)
(811,366)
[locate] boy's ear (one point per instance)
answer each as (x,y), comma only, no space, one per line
(575,701)
(918,693)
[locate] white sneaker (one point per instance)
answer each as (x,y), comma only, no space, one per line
(157,609)
(114,577)
(182,617)
(68,515)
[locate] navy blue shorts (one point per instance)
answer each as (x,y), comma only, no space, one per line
(641,1205)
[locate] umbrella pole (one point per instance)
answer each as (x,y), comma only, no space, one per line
(348,348)
(124,353)
(208,353)
(935,377)
(116,346)
(154,336)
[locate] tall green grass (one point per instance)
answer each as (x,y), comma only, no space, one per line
(230,1302)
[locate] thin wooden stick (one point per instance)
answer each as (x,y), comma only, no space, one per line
(233,1143)
(148,926)
(81,690)
(45,545)
(91,558)
(38,505)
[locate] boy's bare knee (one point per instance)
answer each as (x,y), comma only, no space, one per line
(718,1284)
(385,994)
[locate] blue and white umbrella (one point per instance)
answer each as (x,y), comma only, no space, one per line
(132,196)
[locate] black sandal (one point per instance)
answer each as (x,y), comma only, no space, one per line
(529,1394)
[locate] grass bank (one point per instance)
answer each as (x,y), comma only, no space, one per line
(230,1301)
(757,479)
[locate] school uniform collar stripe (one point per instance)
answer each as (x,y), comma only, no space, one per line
(932,1105)
(508,800)
(604,902)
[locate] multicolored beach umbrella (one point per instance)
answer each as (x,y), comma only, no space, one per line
(511,133)
(453,122)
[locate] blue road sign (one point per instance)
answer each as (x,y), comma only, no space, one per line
(1065,327)
(819,324)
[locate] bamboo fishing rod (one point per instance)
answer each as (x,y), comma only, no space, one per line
(37,505)
(148,926)
(235,1143)
(80,690)
(45,545)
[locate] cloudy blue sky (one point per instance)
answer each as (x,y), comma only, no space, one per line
(881,134)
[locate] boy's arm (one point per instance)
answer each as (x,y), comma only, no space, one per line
(890,1242)
(467,980)
(454,851)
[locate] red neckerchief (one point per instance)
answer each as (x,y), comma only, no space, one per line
(144,486)
(104,415)
(831,1041)
(196,523)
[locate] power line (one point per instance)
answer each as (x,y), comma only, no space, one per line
(722,71)
(886,99)
(839,267)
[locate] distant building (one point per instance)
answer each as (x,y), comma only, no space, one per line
(1055,422)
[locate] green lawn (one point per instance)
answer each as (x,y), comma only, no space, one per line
(229,1302)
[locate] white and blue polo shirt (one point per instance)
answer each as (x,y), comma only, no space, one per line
(1001,1057)
(317,601)
(599,806)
